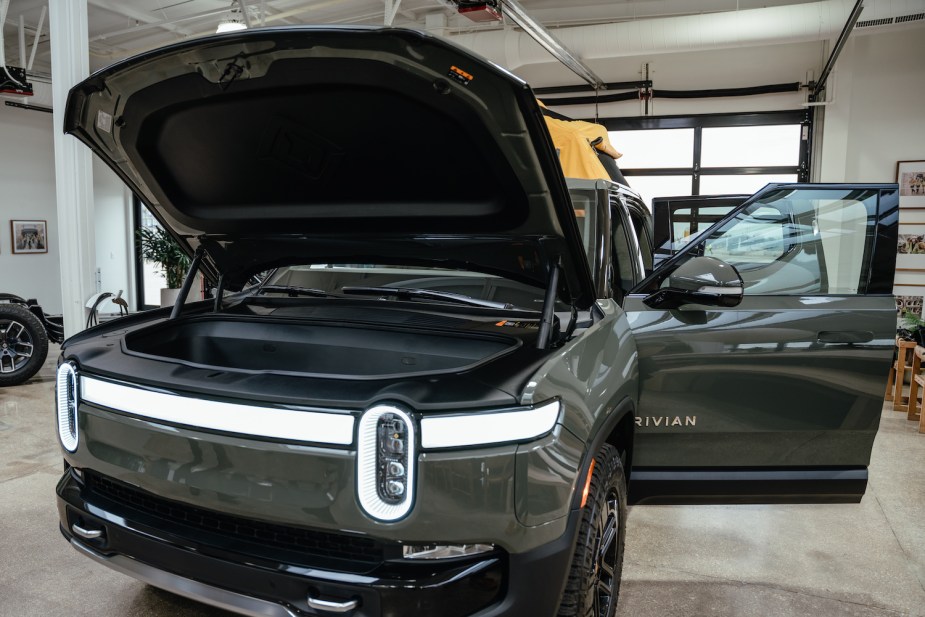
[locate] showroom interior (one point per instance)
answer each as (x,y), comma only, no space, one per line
(699,97)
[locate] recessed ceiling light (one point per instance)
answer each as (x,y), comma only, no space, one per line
(229,25)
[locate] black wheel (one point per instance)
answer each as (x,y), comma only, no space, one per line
(23,344)
(593,584)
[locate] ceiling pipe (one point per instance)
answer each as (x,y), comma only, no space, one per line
(245,13)
(165,23)
(766,26)
(38,35)
(839,45)
(516,13)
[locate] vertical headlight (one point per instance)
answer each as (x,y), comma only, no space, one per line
(66,390)
(385,463)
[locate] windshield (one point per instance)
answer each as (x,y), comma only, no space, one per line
(452,286)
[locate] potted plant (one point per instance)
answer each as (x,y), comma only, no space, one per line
(915,326)
(159,246)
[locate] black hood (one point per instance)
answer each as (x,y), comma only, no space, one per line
(296,145)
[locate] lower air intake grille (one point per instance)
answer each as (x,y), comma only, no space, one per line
(312,544)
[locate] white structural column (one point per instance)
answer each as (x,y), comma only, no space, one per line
(70,63)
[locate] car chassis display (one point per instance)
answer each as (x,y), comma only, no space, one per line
(25,331)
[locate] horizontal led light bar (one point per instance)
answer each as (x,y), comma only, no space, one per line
(249,420)
(488,427)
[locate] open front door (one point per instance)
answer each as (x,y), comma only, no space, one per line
(778,398)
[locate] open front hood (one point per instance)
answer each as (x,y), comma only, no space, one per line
(303,144)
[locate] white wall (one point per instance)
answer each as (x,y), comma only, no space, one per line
(877,117)
(878,114)
(27,178)
(696,70)
(114,256)
(28,192)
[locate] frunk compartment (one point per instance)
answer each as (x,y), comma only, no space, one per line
(313,348)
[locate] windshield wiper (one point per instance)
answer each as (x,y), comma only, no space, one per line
(407,293)
(292,292)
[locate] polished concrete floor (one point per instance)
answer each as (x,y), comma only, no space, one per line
(856,560)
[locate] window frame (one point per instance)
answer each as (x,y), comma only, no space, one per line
(802,117)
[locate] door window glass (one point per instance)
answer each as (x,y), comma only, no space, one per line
(624,255)
(584,203)
(642,238)
(802,241)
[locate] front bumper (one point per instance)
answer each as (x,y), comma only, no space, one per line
(148,541)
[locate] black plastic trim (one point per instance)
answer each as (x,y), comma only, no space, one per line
(883,253)
(740,486)
(527,584)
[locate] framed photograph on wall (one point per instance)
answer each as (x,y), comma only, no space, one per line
(29,236)
(910,248)
(910,176)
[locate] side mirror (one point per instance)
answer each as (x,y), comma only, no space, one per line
(701,280)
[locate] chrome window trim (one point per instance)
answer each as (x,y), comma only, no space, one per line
(247,420)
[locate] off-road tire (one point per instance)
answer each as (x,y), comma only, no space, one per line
(593,584)
(23,344)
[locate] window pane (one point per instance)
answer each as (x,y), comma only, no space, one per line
(654,148)
(747,146)
(152,277)
(660,186)
(745,184)
(799,242)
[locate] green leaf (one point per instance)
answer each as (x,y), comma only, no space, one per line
(159,247)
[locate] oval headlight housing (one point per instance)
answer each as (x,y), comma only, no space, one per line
(386,463)
(66,398)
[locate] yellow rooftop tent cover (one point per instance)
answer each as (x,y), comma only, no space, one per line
(577,156)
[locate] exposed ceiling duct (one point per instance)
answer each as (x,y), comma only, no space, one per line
(793,23)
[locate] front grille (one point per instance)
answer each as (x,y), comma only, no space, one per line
(309,543)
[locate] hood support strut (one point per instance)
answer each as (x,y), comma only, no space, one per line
(187,282)
(549,308)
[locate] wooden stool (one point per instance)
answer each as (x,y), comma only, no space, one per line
(905,356)
(916,385)
(916,407)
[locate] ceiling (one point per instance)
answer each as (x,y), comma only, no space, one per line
(118,29)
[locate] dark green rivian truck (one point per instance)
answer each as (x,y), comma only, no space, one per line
(460,367)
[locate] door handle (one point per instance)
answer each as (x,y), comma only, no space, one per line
(332,606)
(845,336)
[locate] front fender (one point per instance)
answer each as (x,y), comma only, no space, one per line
(596,376)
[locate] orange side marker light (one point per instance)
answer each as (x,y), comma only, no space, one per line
(584,493)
